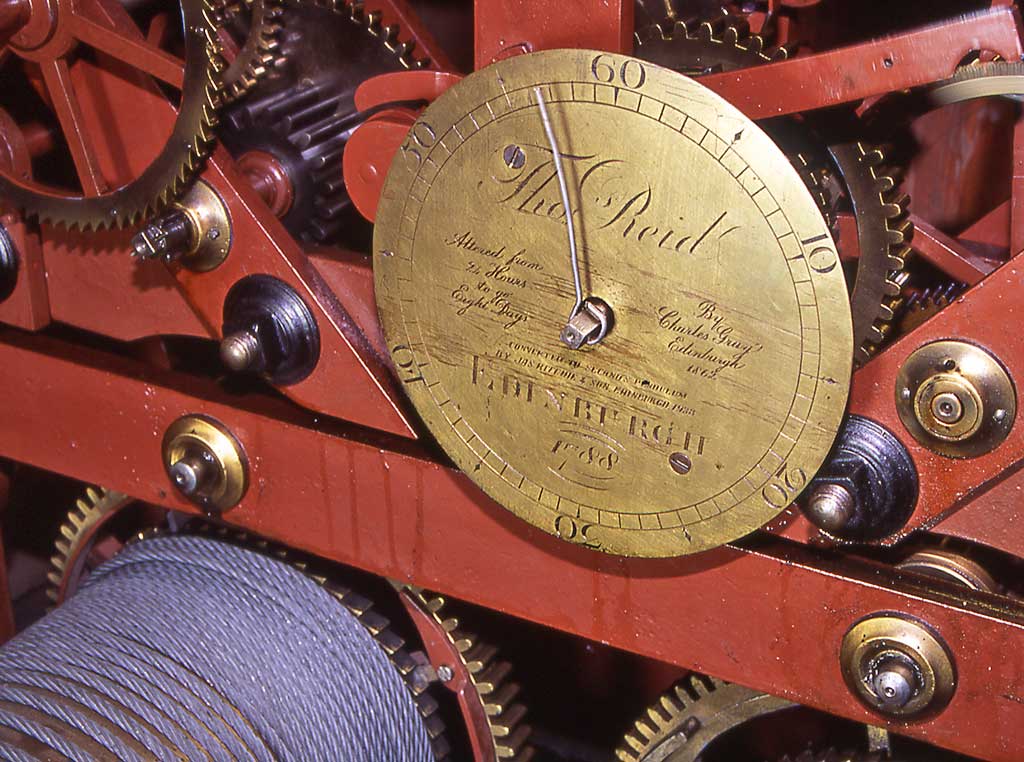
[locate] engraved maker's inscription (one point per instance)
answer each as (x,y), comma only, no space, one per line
(707,336)
(599,416)
(614,196)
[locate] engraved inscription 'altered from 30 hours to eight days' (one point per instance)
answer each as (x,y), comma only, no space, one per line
(710,401)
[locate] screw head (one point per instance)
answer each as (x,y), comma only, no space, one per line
(445,673)
(947,407)
(514,157)
(680,463)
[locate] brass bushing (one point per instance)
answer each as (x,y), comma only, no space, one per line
(894,643)
(956,399)
(205,462)
(211,226)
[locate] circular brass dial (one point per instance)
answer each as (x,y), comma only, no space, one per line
(721,384)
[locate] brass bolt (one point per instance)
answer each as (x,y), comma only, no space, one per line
(240,351)
(830,507)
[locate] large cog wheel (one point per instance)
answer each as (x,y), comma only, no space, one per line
(883,228)
(478,678)
(690,716)
(99,206)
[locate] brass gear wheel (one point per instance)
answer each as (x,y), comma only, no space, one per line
(486,696)
(692,714)
(172,169)
(259,50)
(720,44)
(883,228)
(883,234)
(76,536)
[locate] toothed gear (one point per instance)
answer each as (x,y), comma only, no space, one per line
(169,174)
(488,676)
(711,45)
(884,231)
(362,609)
(921,306)
(260,48)
(304,114)
(690,716)
(76,536)
(883,226)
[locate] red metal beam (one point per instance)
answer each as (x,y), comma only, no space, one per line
(510,27)
(948,254)
(398,514)
(873,68)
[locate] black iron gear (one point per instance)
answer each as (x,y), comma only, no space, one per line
(920,306)
(304,112)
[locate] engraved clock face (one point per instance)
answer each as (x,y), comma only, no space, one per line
(720,387)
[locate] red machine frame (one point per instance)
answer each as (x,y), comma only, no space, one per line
(342,475)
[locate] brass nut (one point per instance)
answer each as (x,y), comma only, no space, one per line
(211,226)
(897,666)
(205,462)
(955,399)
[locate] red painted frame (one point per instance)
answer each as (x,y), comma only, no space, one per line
(357,488)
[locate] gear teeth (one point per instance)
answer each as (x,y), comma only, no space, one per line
(489,677)
(260,51)
(922,305)
(729,34)
(660,719)
(174,168)
(75,533)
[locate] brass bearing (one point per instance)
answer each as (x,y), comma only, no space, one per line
(205,462)
(955,399)
(897,666)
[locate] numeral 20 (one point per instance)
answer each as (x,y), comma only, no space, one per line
(575,531)
(780,491)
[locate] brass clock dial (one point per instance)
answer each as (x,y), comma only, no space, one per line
(722,380)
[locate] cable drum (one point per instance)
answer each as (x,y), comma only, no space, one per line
(186,648)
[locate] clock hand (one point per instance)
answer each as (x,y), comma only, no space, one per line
(590,318)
